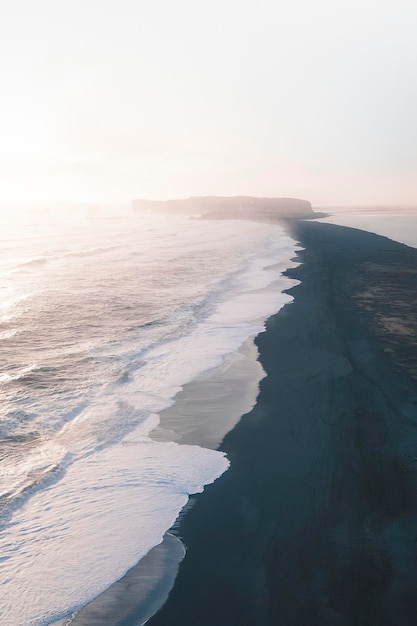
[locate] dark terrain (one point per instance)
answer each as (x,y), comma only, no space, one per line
(315,523)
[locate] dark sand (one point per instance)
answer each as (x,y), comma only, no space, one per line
(315,523)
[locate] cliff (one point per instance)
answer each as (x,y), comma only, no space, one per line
(229,207)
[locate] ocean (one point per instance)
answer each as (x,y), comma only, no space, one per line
(105,317)
(399,224)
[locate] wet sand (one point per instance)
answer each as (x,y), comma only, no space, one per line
(315,523)
(204,410)
(138,595)
(211,405)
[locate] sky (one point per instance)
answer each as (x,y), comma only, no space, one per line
(105,100)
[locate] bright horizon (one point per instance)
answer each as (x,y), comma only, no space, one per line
(105,101)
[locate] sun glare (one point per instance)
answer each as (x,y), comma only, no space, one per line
(23,136)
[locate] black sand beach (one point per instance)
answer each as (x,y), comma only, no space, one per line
(315,523)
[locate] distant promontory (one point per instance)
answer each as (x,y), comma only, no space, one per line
(229,207)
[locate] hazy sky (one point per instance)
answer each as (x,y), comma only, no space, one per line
(105,99)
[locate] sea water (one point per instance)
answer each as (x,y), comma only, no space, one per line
(399,224)
(104,317)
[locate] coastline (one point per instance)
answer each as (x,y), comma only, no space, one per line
(314,522)
(139,594)
(201,414)
(208,407)
(221,395)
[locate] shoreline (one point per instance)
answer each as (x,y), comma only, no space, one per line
(314,522)
(139,594)
(222,394)
(209,406)
(202,413)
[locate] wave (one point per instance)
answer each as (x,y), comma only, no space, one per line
(8,334)
(90,252)
(30,263)
(150,365)
(92,486)
(41,260)
(12,302)
(97,499)
(18,375)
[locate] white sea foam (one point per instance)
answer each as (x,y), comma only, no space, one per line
(86,492)
(6,377)
(74,538)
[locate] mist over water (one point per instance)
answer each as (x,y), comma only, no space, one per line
(398,224)
(103,319)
